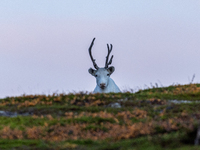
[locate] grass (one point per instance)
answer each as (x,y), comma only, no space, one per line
(23,144)
(146,120)
(167,141)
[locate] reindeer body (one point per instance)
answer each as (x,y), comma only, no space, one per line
(104,83)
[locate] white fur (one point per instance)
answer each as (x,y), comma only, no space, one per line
(102,76)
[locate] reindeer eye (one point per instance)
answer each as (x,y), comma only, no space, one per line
(108,74)
(95,75)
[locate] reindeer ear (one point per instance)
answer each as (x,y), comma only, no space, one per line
(111,69)
(92,71)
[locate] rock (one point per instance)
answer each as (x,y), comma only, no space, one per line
(115,105)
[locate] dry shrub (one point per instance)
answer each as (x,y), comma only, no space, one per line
(186,89)
(75,131)
(8,133)
(35,132)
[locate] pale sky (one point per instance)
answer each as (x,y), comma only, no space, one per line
(44,44)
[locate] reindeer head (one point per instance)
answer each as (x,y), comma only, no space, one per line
(102,75)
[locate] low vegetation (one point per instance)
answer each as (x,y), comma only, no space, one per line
(147,119)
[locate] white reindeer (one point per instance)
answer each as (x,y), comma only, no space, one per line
(104,83)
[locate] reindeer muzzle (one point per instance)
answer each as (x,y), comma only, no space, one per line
(102,85)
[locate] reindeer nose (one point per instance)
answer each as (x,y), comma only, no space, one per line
(102,85)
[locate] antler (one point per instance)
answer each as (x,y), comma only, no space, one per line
(107,57)
(90,52)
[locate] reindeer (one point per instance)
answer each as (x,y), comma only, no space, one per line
(104,83)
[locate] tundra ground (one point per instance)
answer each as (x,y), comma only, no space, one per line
(156,118)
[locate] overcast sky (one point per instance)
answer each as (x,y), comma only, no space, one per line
(44,43)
